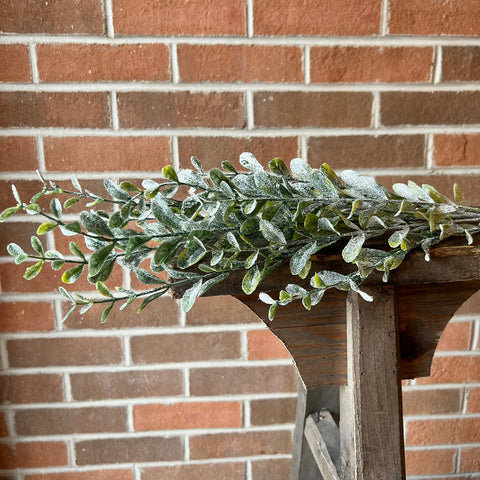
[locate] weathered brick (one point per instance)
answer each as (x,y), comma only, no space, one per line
(118,474)
(272,411)
(60,16)
(33,455)
(310,17)
(453,369)
(456,150)
(40,388)
(427,462)
(470,460)
(437,401)
(455,336)
(370,64)
(15,63)
(187,415)
(99,63)
(240,444)
(273,469)
(130,384)
(440,431)
(42,352)
(263,345)
(365,151)
(185,347)
(51,421)
(3,426)
(176,17)
(220,310)
(180,109)
(434,108)
(239,380)
(163,312)
(211,151)
(312,109)
(106,153)
(128,450)
(473,404)
(26,316)
(18,153)
(54,109)
(430,17)
(239,63)
(461,64)
(19,232)
(210,471)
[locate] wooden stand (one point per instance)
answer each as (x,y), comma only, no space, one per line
(351,356)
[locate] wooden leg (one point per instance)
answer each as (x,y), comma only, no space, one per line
(371,422)
(304,466)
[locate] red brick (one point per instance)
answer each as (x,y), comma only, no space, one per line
(310,17)
(106,153)
(118,474)
(15,63)
(210,471)
(239,63)
(272,411)
(240,444)
(461,64)
(18,232)
(433,402)
(438,432)
(239,380)
(33,455)
(430,17)
(128,450)
(365,151)
(180,109)
(427,462)
(470,460)
(453,369)
(60,421)
(98,63)
(18,154)
(455,336)
(54,109)
(223,310)
(273,469)
(456,150)
(185,347)
(26,316)
(162,312)
(43,352)
(264,345)
(312,109)
(471,306)
(176,17)
(474,400)
(434,108)
(211,151)
(41,388)
(60,16)
(370,64)
(3,426)
(187,415)
(133,384)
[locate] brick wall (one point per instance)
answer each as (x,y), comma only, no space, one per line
(389,87)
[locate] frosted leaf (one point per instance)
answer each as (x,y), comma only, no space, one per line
(300,168)
(248,161)
(366,186)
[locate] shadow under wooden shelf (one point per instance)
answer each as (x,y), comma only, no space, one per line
(351,356)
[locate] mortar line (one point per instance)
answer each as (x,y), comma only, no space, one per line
(175,69)
(376,120)
(32,54)
(475,335)
(40,153)
(303,146)
(249,18)
(249,110)
(109,18)
(384,18)
(306,64)
(175,152)
(130,422)
(114,110)
(67,388)
(429,154)
(437,66)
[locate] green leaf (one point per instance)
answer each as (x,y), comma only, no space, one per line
(301,257)
(397,237)
(97,259)
(135,242)
(196,164)
(8,212)
(271,233)
(106,313)
(75,183)
(458,195)
(67,315)
(66,294)
(93,223)
(130,187)
(165,252)
(14,250)
(190,256)
(353,247)
(191,295)
(16,196)
(37,245)
(46,227)
(272,310)
(32,271)
(162,212)
(71,229)
(72,274)
(251,280)
(70,202)
(217,176)
(76,250)
(56,208)
(103,289)
(250,261)
(277,167)
(115,191)
(228,167)
(86,308)
(148,278)
(266,298)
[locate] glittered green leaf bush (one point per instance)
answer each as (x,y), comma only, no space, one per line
(199,227)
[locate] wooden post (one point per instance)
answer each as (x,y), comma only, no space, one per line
(371,422)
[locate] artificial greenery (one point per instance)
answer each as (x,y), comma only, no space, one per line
(250,221)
